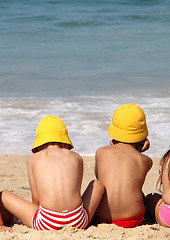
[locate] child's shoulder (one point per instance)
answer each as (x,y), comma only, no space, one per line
(103,149)
(147,161)
(145,157)
(74,155)
(34,156)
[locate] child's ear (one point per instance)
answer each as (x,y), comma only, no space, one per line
(113,142)
(66,145)
(143,146)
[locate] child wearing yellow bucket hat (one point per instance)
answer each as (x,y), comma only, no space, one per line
(55,176)
(122,168)
(51,129)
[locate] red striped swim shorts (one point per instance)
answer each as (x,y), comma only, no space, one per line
(45,219)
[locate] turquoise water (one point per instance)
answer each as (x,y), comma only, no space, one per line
(79,60)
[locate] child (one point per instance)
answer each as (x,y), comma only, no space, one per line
(122,168)
(158,206)
(55,175)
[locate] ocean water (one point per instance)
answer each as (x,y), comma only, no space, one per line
(80,60)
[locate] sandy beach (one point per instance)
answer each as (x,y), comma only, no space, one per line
(13,177)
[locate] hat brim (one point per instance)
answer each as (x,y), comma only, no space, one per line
(46,138)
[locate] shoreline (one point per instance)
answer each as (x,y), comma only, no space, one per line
(13,177)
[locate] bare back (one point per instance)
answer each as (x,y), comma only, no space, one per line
(55,177)
(122,169)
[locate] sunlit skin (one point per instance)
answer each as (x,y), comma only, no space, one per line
(55,175)
(122,168)
(154,202)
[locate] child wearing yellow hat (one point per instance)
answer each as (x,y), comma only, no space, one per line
(55,175)
(122,168)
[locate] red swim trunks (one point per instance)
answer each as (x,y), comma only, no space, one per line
(45,219)
(126,222)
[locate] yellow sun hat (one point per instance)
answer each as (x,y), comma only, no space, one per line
(51,129)
(128,124)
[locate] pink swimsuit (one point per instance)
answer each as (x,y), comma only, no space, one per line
(45,219)
(164,214)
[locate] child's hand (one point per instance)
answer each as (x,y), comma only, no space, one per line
(5,229)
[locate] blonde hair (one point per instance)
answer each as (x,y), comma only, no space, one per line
(164,161)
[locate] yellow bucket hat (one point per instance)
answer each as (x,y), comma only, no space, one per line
(128,124)
(51,129)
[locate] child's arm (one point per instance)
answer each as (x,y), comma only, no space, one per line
(32,183)
(96,171)
(166,186)
(96,162)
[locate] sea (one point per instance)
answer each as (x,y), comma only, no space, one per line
(80,60)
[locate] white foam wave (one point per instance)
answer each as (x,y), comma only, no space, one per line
(87,119)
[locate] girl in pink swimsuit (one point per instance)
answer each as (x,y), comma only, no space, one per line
(158,206)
